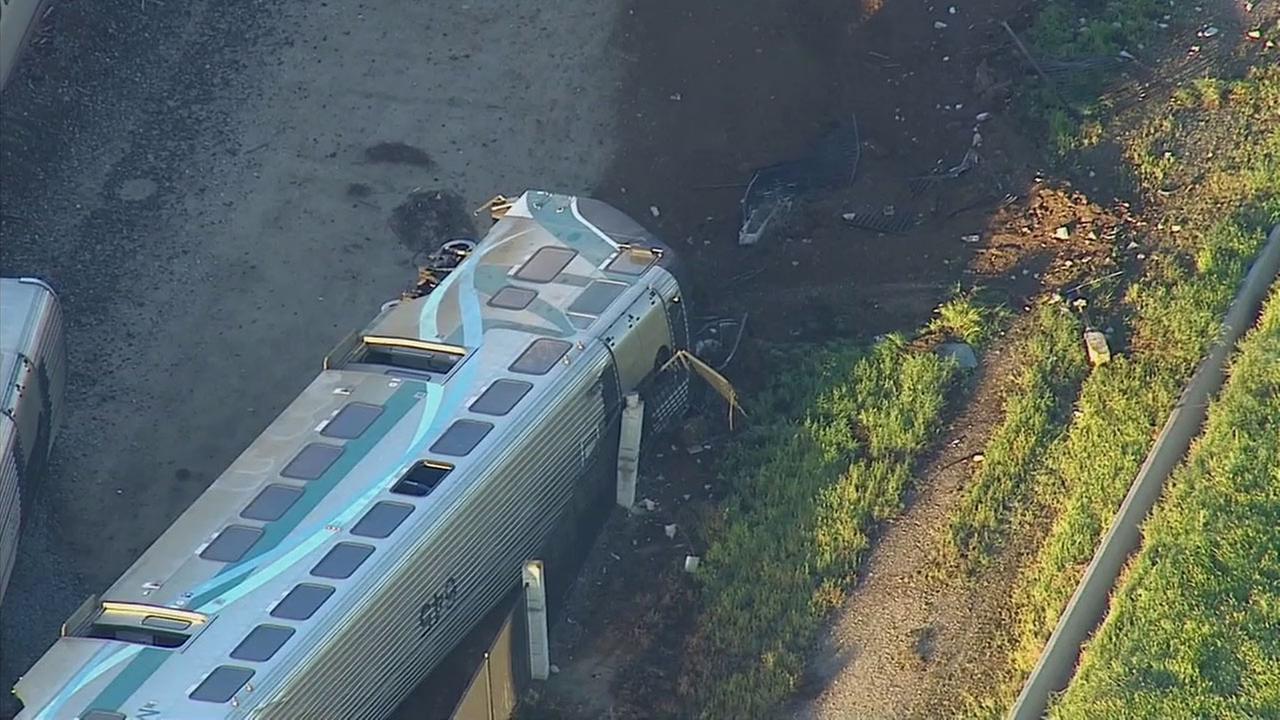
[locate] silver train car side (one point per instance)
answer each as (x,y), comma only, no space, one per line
(33,370)
(18,22)
(333,565)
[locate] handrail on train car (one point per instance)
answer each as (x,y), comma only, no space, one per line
(412,344)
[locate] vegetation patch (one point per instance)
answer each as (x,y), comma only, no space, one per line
(1192,633)
(828,455)
(1212,226)
(1033,413)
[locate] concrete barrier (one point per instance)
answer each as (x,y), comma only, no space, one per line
(1088,605)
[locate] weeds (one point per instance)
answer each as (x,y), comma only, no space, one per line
(1227,201)
(1032,415)
(1192,633)
(966,318)
(806,494)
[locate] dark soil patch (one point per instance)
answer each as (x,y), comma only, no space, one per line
(399,153)
(427,218)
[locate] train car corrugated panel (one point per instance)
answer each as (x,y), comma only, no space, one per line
(10,504)
(521,512)
(405,670)
(519,538)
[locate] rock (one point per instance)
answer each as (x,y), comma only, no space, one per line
(1062,233)
(1096,344)
(978,457)
(962,353)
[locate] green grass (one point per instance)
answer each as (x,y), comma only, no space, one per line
(967,318)
(1229,199)
(828,455)
(1195,630)
(1054,367)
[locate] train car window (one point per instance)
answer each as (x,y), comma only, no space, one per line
(302,601)
(136,635)
(596,297)
(461,438)
(541,355)
(262,642)
(272,503)
(632,261)
(340,562)
(222,684)
(382,520)
(500,397)
(352,420)
(232,543)
(512,298)
(312,461)
(421,479)
(103,715)
(546,264)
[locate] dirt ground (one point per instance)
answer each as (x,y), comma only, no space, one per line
(220,191)
(716,93)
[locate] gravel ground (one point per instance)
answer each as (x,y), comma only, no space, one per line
(220,191)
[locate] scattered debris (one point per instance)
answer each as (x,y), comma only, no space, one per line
(648,505)
(1207,32)
(920,184)
(691,563)
(669,531)
(1062,233)
(978,457)
(982,117)
(939,25)
(879,222)
(971,238)
(654,211)
(676,96)
(774,189)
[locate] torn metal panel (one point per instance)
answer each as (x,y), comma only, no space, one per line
(774,189)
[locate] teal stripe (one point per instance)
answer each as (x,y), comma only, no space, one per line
(355,451)
(129,680)
(569,230)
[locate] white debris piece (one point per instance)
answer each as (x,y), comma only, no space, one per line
(691,563)
(939,25)
(669,530)
(654,211)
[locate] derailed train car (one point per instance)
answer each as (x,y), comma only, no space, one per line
(33,370)
(394,502)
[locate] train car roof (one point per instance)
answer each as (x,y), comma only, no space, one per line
(552,273)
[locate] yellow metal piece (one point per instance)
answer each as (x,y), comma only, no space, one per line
(498,205)
(413,344)
(168,613)
(718,382)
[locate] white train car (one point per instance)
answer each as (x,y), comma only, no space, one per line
(33,370)
(394,502)
(18,21)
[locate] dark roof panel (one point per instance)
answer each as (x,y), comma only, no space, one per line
(352,420)
(461,438)
(312,461)
(546,264)
(541,355)
(222,684)
(262,642)
(513,298)
(500,397)
(302,601)
(232,543)
(272,503)
(341,561)
(382,519)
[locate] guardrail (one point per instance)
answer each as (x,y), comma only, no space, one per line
(1088,605)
